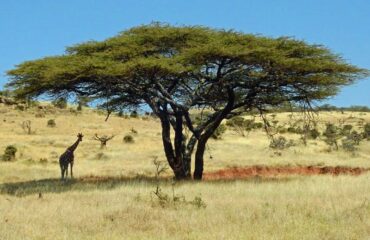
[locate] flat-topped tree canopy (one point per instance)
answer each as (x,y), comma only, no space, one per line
(173,69)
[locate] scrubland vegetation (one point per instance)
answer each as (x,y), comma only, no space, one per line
(117,192)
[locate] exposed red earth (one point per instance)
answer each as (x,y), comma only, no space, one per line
(265,171)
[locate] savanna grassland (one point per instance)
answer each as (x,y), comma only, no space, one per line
(112,195)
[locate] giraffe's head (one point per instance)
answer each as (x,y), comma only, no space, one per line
(80,136)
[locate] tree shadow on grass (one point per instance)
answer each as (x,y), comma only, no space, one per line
(55,185)
(89,183)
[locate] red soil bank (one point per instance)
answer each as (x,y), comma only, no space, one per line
(265,171)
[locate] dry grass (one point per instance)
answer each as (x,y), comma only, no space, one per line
(118,204)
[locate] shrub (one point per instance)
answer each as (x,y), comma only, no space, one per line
(355,137)
(236,121)
(313,133)
(332,134)
(219,132)
(134,114)
(60,103)
(346,130)
(349,145)
(9,153)
(20,107)
(128,138)
(120,113)
(281,143)
(51,123)
(367,131)
(258,125)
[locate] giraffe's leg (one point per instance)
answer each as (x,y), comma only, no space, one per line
(71,169)
(66,170)
(62,172)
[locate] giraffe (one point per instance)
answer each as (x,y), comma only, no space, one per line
(67,157)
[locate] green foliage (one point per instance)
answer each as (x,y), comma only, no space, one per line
(355,137)
(9,153)
(367,131)
(313,134)
(346,129)
(175,69)
(51,123)
(219,132)
(281,143)
(60,103)
(332,134)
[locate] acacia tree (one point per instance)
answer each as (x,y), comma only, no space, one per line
(175,69)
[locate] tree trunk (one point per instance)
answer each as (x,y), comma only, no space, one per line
(174,156)
(198,170)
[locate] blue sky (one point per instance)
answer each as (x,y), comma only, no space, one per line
(30,29)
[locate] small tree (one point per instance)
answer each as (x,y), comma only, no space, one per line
(332,134)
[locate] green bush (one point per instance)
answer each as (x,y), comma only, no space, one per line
(346,130)
(313,133)
(367,131)
(257,125)
(9,153)
(281,143)
(219,132)
(134,114)
(51,123)
(355,137)
(128,138)
(236,121)
(60,103)
(349,145)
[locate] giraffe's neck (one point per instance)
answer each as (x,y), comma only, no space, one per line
(74,146)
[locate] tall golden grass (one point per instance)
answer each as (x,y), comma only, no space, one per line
(119,205)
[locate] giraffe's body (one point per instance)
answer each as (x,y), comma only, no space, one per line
(67,157)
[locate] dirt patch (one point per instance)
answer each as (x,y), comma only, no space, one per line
(265,171)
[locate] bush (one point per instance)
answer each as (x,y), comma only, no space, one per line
(332,134)
(60,103)
(257,125)
(128,138)
(51,123)
(9,153)
(349,145)
(134,114)
(367,131)
(236,121)
(281,143)
(313,133)
(219,132)
(346,130)
(355,137)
